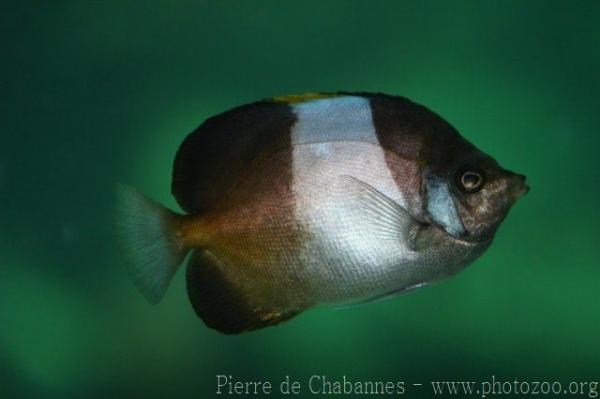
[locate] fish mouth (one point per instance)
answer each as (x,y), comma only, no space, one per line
(519,186)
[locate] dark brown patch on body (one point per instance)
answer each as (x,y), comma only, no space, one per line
(410,128)
(397,128)
(213,157)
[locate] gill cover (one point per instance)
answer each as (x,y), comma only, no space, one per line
(441,207)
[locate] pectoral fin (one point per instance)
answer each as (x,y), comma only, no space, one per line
(228,303)
(386,218)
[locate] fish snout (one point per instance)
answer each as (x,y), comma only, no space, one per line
(518,186)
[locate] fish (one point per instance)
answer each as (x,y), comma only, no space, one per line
(314,200)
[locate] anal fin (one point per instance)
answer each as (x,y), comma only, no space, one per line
(227,304)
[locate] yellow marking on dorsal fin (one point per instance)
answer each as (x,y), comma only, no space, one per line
(300,98)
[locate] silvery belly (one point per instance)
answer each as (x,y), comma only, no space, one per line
(347,259)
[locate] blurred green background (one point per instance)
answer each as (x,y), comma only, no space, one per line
(99,92)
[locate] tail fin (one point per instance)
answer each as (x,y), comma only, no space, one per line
(152,248)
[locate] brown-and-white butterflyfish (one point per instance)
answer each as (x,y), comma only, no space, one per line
(310,200)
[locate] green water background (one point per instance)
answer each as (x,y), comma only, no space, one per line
(99,92)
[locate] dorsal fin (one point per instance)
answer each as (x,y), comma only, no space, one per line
(300,98)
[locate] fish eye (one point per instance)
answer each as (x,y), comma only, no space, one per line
(470,180)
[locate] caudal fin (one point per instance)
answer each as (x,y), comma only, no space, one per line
(151,247)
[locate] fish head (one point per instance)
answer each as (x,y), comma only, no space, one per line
(483,193)
(472,194)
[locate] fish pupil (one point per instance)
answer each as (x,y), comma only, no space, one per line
(471,181)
